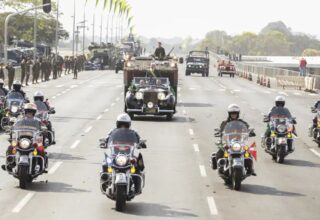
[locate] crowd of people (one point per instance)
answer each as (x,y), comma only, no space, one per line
(43,69)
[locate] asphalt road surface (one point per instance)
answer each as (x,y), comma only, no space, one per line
(179,181)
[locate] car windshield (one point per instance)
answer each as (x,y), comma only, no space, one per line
(235,131)
(147,81)
(197,59)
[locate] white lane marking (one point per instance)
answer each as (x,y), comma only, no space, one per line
(312,94)
(267,92)
(55,167)
(75,144)
(184,112)
(179,89)
(54,97)
(222,90)
(99,117)
(212,206)
(88,129)
(191,132)
(59,86)
(203,171)
(237,90)
(23,202)
(106,110)
(119,86)
(297,93)
(196,148)
(283,93)
(117,99)
(222,86)
(59,94)
(73,86)
(192,88)
(112,104)
(315,152)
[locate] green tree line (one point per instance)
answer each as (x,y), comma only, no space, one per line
(276,39)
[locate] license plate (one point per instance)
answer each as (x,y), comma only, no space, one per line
(121,178)
(151,110)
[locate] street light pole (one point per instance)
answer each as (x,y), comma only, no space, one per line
(93,26)
(74,26)
(35,31)
(101,28)
(84,29)
(57,30)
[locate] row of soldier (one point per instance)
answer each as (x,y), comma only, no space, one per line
(42,69)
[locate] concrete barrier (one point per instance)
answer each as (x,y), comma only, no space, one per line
(297,82)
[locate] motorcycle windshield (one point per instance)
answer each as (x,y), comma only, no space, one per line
(123,136)
(42,110)
(2,94)
(14,99)
(26,127)
(280,112)
(235,132)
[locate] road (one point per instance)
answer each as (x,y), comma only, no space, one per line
(179,181)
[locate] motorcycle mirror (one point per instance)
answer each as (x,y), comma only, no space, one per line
(218,134)
(252,133)
(103,146)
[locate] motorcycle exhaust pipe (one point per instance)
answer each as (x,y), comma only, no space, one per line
(222,162)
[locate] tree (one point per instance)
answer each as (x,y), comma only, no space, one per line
(273,43)
(21,26)
(244,43)
(310,52)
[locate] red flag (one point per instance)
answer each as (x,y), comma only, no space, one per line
(253,150)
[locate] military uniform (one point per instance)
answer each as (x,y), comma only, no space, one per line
(11,74)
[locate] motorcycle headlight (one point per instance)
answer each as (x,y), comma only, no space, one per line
(139,95)
(25,143)
(14,109)
(129,64)
(172,65)
(121,160)
(236,147)
(281,128)
(161,96)
(150,105)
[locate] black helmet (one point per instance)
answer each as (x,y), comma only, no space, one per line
(123,120)
(280,101)
(233,109)
(17,85)
(38,96)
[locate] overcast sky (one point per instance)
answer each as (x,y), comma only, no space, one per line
(181,18)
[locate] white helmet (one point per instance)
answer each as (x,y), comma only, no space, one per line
(38,96)
(1,81)
(233,108)
(123,120)
(280,101)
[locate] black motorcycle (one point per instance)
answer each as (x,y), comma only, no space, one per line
(314,130)
(237,161)
(26,158)
(122,177)
(280,143)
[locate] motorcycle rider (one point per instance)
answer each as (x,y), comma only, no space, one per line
(315,119)
(124,122)
(233,115)
(30,110)
(17,88)
(5,91)
(39,97)
(280,102)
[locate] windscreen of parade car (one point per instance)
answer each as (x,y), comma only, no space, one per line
(147,81)
(196,60)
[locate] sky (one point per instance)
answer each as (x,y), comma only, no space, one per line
(183,18)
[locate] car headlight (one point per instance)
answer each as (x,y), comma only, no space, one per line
(172,64)
(150,105)
(14,109)
(281,128)
(236,147)
(189,66)
(129,64)
(139,95)
(201,67)
(121,160)
(25,143)
(161,96)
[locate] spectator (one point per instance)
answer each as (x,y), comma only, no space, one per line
(303,66)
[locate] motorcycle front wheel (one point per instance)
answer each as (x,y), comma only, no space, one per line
(23,176)
(121,198)
(236,179)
